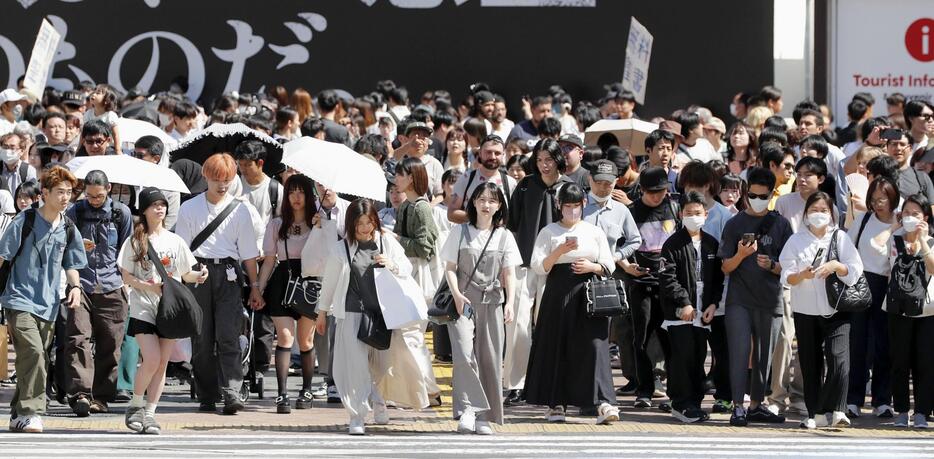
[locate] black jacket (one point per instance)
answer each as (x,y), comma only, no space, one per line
(531,208)
(678,283)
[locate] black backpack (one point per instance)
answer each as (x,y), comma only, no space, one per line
(30,216)
(908,283)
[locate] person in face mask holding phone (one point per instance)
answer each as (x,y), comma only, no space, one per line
(691,289)
(823,333)
(749,246)
(570,362)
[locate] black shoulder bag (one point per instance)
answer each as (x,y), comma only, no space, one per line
(209,230)
(442,309)
(372,331)
(301,293)
(842,297)
(179,315)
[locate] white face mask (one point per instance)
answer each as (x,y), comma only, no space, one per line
(164,119)
(694,222)
(759,205)
(818,220)
(8,156)
(598,199)
(910,223)
(17,112)
(733,110)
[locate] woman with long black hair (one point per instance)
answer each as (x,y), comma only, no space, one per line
(570,358)
(285,238)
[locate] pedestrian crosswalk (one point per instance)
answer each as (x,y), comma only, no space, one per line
(432,445)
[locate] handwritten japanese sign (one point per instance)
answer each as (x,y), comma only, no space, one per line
(43,53)
(638,52)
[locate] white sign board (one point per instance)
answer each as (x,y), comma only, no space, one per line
(43,53)
(638,52)
(880,49)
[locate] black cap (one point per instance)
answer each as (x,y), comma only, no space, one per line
(620,157)
(654,179)
(417,125)
(482,97)
(148,196)
(60,148)
(72,98)
(604,170)
(573,139)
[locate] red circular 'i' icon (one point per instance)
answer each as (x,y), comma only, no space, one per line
(919,39)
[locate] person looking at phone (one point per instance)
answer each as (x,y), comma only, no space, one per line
(91,377)
(570,363)
(480,259)
(749,246)
(657,218)
(823,333)
(691,290)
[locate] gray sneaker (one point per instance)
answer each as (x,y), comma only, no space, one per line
(920,421)
(150,426)
(135,418)
(901,420)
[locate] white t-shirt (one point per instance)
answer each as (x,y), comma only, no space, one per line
(435,170)
(591,244)
(702,150)
(258,195)
(875,258)
(791,206)
(476,239)
(110,118)
(235,237)
(177,260)
(461,189)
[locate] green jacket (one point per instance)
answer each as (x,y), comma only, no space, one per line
(416,229)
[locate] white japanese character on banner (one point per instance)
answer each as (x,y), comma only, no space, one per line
(296,53)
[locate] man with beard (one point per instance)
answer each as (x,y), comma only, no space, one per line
(492,153)
(499,124)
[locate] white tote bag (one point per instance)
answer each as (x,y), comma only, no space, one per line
(401,300)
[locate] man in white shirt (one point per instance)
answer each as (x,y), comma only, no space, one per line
(418,135)
(15,171)
(232,242)
(492,153)
(12,106)
(694,146)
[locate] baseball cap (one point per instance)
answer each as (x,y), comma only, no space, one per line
(605,170)
(573,139)
(654,179)
(418,125)
(72,98)
(10,95)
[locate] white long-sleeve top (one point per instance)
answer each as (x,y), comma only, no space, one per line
(591,244)
(336,277)
(810,296)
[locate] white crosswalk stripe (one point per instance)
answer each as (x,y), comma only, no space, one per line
(280,445)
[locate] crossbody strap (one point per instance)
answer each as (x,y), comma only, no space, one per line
(154,258)
(479,258)
(208,230)
(862,226)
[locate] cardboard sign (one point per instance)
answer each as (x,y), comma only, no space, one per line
(43,54)
(638,52)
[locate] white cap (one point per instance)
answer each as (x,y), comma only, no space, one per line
(11,95)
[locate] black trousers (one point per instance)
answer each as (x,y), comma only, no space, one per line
(911,343)
(647,319)
(824,344)
(869,348)
(686,366)
(720,369)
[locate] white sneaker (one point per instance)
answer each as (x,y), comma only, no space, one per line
(808,423)
(774,409)
(884,411)
(554,414)
(484,428)
(920,421)
(356,427)
(380,414)
(607,414)
(28,424)
(467,423)
(839,419)
(822,420)
(852,411)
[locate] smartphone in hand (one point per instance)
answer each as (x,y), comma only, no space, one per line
(749,238)
(818,258)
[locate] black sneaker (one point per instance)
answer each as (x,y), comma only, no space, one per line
(232,405)
(304,400)
(722,406)
(123,396)
(698,413)
(283,404)
(761,414)
(209,407)
(512,398)
(628,389)
(333,395)
(738,418)
(642,402)
(665,407)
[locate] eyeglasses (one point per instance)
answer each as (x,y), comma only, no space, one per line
(788,166)
(927,116)
(96,141)
(759,196)
(879,202)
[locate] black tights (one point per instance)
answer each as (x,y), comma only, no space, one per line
(283,359)
(308,369)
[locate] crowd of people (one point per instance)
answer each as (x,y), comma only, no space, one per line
(733,238)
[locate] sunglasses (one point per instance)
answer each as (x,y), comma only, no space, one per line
(758,196)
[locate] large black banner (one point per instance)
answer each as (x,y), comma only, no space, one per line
(703,51)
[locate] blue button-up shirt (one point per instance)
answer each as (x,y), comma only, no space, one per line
(108,234)
(33,285)
(616,221)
